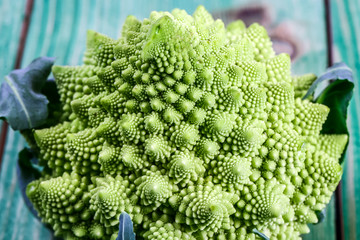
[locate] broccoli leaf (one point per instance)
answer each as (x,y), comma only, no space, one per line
(260,234)
(321,215)
(21,102)
(51,92)
(337,97)
(337,71)
(27,171)
(126,231)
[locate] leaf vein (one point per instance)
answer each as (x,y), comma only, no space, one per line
(20,100)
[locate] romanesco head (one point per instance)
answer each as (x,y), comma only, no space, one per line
(195,129)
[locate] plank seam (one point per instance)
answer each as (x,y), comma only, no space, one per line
(339,218)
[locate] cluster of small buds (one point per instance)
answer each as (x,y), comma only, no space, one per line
(197,130)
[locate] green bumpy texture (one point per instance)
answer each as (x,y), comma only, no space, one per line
(196,130)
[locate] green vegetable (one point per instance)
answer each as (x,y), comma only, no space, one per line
(197,131)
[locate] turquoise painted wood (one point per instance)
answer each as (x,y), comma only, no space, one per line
(10,28)
(58,28)
(12,208)
(346,27)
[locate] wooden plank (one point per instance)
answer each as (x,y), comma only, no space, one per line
(19,54)
(346,24)
(337,197)
(9,186)
(58,28)
(10,28)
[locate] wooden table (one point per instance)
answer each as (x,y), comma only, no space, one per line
(58,28)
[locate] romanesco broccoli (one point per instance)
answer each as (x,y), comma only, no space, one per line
(197,130)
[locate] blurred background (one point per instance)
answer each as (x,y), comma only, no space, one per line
(58,28)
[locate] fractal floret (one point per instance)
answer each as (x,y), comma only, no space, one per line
(196,130)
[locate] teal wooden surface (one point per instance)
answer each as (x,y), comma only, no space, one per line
(12,210)
(58,28)
(346,27)
(10,28)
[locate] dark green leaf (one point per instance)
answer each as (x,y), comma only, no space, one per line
(21,102)
(337,71)
(54,107)
(50,91)
(260,234)
(126,231)
(337,97)
(27,171)
(320,216)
